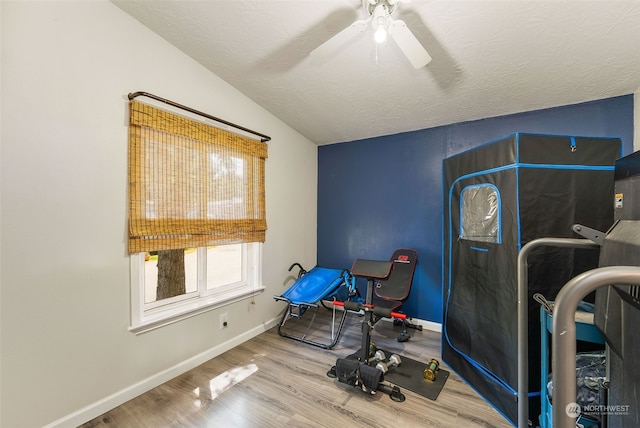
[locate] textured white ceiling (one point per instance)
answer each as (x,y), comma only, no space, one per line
(490,58)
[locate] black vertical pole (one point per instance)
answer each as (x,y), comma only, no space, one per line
(367,323)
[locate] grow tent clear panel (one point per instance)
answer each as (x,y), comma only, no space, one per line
(480,213)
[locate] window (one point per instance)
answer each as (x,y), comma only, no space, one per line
(480,214)
(196,216)
(214,276)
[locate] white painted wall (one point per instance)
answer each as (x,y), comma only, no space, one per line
(66,354)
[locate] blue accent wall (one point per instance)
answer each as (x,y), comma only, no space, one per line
(383,193)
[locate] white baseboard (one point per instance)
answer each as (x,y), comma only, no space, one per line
(426,325)
(99,407)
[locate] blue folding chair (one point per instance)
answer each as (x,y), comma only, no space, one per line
(308,292)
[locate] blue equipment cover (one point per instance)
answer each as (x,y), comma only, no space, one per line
(317,284)
(311,288)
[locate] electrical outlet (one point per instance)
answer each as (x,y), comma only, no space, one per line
(224,320)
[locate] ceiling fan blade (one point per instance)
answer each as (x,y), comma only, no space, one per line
(337,41)
(408,43)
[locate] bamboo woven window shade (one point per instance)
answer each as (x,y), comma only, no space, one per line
(192,184)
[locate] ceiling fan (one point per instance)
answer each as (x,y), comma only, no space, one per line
(380,12)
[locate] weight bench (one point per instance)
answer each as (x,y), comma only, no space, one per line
(391,292)
(391,282)
(388,287)
(308,292)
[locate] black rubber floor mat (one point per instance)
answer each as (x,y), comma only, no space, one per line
(409,375)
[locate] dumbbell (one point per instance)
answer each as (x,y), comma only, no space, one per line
(430,372)
(394,361)
(378,356)
(372,348)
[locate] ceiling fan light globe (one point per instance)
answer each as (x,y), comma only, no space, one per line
(380,35)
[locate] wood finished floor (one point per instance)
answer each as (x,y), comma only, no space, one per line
(271,381)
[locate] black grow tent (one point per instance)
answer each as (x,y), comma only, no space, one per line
(498,197)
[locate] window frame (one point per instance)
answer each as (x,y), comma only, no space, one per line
(150,316)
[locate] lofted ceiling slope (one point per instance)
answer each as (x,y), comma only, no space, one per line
(490,58)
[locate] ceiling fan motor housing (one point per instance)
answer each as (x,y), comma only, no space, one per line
(382,6)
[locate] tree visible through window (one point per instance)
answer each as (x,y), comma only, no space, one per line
(171,279)
(223,266)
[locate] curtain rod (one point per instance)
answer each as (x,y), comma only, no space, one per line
(132,95)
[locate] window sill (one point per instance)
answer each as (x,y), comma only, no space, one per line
(155,319)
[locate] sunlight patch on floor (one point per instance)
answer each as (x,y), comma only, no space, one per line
(223,382)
